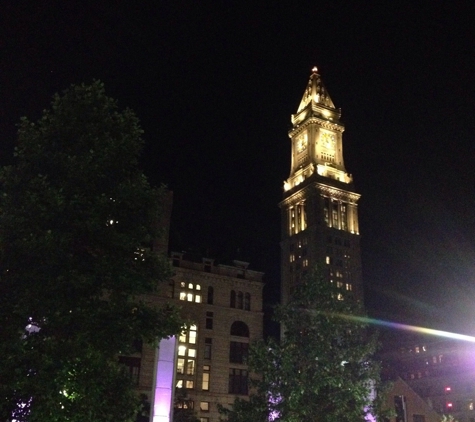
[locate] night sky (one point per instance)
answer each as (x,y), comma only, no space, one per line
(214,84)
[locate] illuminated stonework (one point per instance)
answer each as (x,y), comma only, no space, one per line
(320,209)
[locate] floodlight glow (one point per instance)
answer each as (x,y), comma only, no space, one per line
(164,374)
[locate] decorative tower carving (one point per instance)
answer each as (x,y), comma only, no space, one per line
(319,209)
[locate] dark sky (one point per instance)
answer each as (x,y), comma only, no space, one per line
(214,84)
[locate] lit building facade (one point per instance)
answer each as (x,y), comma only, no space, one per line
(223,304)
(319,211)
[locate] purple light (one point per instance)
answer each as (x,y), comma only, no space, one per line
(164,375)
(372,396)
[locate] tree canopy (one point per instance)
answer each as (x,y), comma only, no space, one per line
(77,222)
(322,369)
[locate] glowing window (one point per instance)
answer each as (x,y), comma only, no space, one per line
(204,406)
(189,384)
(187,366)
(190,295)
(328,260)
(180,366)
(190,367)
(206,378)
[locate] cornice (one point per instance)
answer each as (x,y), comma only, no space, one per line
(341,194)
(312,120)
(325,190)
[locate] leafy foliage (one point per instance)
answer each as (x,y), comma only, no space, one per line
(321,370)
(76,228)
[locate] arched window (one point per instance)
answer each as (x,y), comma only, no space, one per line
(239,300)
(247,301)
(240,329)
(233,299)
(210,295)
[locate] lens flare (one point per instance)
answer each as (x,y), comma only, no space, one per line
(413,328)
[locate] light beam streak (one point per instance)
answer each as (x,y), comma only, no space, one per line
(413,328)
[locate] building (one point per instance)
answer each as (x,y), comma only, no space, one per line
(319,211)
(223,304)
(406,406)
(441,371)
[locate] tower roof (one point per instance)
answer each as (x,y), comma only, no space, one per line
(316,102)
(315,92)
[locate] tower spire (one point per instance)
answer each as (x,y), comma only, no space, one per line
(315,93)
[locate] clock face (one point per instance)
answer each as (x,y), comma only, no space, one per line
(302,143)
(328,140)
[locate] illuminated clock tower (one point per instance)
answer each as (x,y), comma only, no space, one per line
(319,210)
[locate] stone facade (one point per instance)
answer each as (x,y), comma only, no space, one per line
(223,304)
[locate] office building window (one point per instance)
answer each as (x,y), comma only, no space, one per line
(240,300)
(206,378)
(238,352)
(204,406)
(180,383)
(247,302)
(185,404)
(207,350)
(190,292)
(209,320)
(210,295)
(132,365)
(186,360)
(237,381)
(240,329)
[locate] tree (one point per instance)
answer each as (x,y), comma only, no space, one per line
(322,370)
(77,222)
